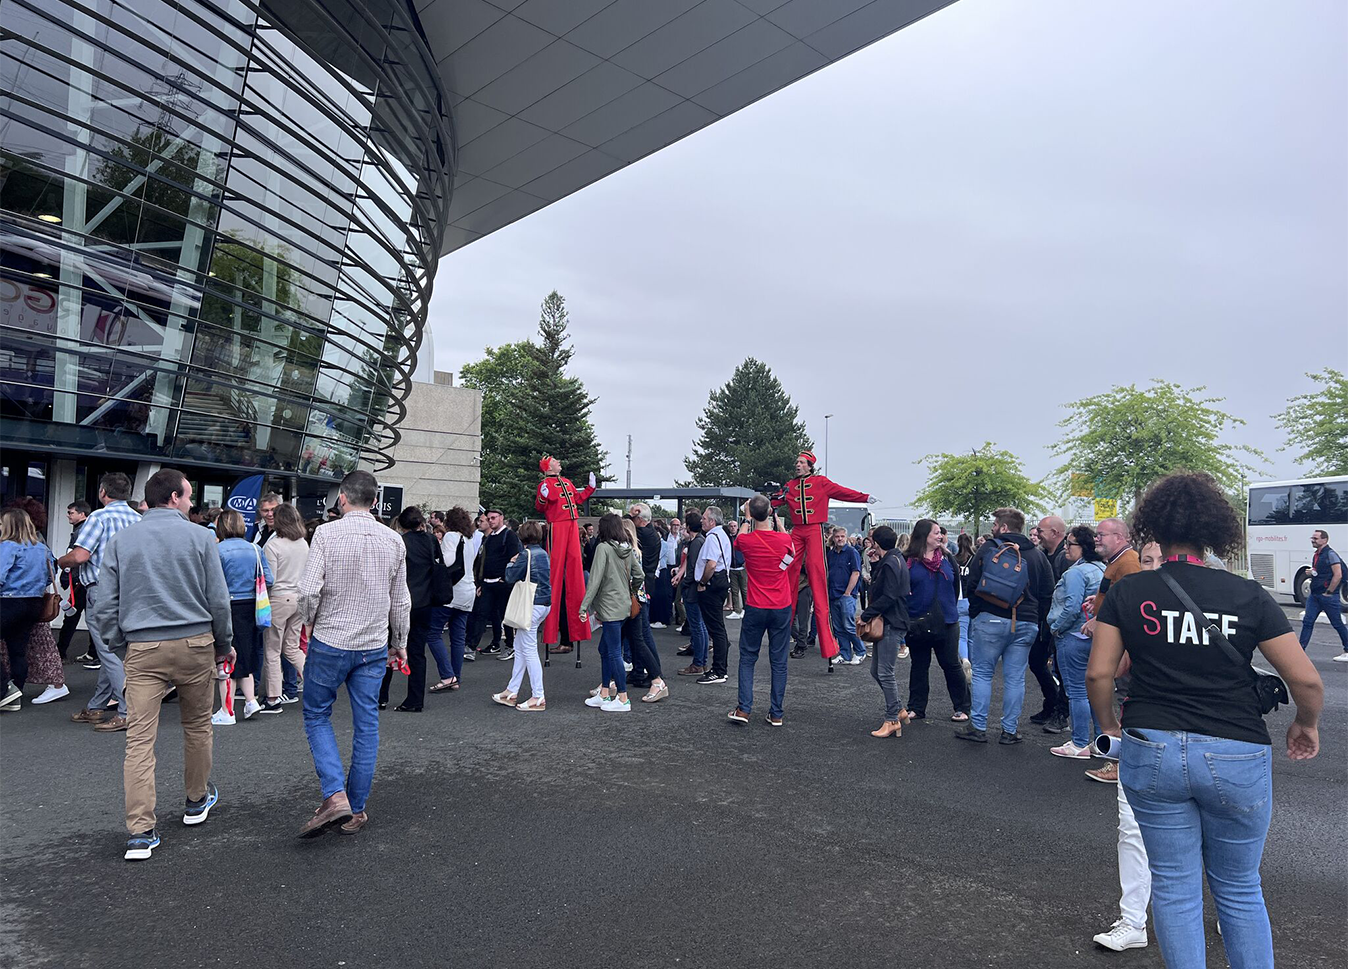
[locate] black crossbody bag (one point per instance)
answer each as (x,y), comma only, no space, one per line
(1269,688)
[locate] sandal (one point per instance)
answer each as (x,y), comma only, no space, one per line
(531,705)
(504,698)
(657,694)
(959,716)
(443,685)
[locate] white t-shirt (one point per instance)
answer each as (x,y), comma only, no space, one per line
(715,549)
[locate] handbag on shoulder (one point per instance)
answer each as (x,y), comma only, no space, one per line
(519,612)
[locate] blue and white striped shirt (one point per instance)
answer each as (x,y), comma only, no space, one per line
(98,530)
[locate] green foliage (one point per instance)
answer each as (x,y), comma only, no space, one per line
(531,407)
(1126,438)
(971,486)
(1317,425)
(750,432)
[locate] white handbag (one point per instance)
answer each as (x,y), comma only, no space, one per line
(519,612)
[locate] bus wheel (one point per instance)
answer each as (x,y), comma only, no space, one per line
(1301,587)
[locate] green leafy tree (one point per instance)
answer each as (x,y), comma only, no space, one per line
(531,406)
(1126,438)
(750,432)
(1317,424)
(971,486)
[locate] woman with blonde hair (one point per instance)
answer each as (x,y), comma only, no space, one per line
(27,567)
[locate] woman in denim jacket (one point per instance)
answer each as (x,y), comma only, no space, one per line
(240,559)
(1073,648)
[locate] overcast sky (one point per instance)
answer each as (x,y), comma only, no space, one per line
(1049,196)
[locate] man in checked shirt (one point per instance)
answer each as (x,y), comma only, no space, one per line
(354,599)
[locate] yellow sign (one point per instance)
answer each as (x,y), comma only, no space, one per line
(1082,485)
(1106,508)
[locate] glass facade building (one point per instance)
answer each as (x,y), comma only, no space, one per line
(219,223)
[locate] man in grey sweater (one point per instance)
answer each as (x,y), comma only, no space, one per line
(163,599)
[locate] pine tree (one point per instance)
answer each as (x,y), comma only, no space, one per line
(750,432)
(536,408)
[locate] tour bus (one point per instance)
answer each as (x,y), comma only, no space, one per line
(856,518)
(1282,516)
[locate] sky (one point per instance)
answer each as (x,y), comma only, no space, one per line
(943,238)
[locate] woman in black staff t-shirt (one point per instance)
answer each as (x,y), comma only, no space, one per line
(1196,760)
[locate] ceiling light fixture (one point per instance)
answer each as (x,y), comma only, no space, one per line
(42,275)
(53,219)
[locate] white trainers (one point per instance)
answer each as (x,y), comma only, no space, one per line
(1071,750)
(660,625)
(250,707)
(53,693)
(854,661)
(735,615)
(616,706)
(1341,658)
(596,701)
(1122,936)
(222,719)
(903,652)
(627,667)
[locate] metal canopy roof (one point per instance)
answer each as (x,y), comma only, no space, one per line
(551,95)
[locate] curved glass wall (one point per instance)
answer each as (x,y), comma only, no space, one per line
(219,222)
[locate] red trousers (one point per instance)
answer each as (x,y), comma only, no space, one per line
(808,548)
(568,580)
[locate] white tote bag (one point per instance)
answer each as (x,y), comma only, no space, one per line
(519,612)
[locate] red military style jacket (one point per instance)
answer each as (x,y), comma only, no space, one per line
(563,501)
(808,496)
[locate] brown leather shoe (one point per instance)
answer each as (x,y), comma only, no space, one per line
(693,670)
(88,716)
(115,725)
(354,825)
(334,810)
(890,728)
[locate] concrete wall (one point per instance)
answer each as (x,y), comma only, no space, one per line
(438,460)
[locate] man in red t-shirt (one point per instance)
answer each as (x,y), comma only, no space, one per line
(767,555)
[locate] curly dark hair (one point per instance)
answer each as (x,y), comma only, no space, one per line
(1084,536)
(458,520)
(1188,508)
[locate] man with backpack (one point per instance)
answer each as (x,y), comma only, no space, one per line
(1010,583)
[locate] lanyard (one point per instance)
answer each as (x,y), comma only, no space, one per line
(1192,560)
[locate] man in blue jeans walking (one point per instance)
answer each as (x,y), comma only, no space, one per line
(768,599)
(844,574)
(1326,582)
(355,601)
(1004,632)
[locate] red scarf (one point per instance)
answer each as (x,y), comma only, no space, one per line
(934,565)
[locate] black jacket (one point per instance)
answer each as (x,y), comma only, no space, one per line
(890,585)
(1038,591)
(497,551)
(420,556)
(649,541)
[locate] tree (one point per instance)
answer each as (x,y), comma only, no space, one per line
(1126,438)
(971,486)
(750,432)
(1317,424)
(532,407)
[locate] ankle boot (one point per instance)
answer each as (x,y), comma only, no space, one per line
(890,728)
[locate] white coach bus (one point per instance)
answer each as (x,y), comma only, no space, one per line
(1282,516)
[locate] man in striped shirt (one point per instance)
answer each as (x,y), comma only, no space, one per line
(355,601)
(113,491)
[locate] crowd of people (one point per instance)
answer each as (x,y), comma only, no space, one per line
(175,609)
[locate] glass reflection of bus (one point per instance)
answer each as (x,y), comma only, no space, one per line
(1282,516)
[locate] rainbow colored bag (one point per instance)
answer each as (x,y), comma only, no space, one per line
(262,601)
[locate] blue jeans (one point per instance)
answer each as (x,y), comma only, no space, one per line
(1329,604)
(843,612)
(290,678)
(963,606)
(611,655)
(442,616)
(112,674)
(1073,651)
(362,670)
(697,630)
(777,624)
(1202,803)
(991,639)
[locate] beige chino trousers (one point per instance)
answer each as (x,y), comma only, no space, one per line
(282,636)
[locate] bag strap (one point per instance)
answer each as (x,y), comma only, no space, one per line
(1204,622)
(257,554)
(51,571)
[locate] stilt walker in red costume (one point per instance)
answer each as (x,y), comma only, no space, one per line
(807,496)
(560,503)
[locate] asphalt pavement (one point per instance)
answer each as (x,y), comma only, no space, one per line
(664,837)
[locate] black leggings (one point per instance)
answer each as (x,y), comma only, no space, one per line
(947,650)
(17,619)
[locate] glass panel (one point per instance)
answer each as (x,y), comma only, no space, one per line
(1269,506)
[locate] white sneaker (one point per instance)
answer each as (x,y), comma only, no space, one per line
(222,719)
(735,615)
(1122,936)
(1071,750)
(251,707)
(1341,658)
(596,701)
(854,661)
(53,693)
(616,706)
(627,667)
(903,652)
(660,625)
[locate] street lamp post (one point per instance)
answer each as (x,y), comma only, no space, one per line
(826,418)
